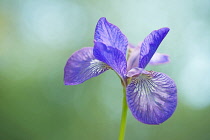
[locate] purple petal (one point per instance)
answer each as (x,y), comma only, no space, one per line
(150,45)
(110,35)
(159,58)
(136,71)
(152,98)
(133,57)
(81,66)
(112,57)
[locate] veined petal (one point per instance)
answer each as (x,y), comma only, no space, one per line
(81,66)
(152,98)
(110,35)
(150,45)
(112,57)
(159,58)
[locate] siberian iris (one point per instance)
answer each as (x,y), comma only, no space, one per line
(151,96)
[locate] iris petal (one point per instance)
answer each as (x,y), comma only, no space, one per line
(150,45)
(159,58)
(112,57)
(152,98)
(81,66)
(110,35)
(133,59)
(136,71)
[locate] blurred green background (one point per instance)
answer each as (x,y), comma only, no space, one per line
(38,36)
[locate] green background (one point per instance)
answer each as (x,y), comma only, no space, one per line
(38,36)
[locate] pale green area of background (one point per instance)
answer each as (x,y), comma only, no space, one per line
(38,36)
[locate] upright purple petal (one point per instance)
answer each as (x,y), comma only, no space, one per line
(150,45)
(152,98)
(81,66)
(159,58)
(133,57)
(110,35)
(112,57)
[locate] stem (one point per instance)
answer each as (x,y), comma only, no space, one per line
(123,116)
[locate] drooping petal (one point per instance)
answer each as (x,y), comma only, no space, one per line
(159,58)
(112,57)
(152,98)
(81,66)
(150,45)
(110,35)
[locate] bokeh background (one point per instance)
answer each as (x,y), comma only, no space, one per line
(38,36)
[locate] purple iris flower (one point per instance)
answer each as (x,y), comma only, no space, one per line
(151,96)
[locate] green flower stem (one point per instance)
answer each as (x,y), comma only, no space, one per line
(123,116)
